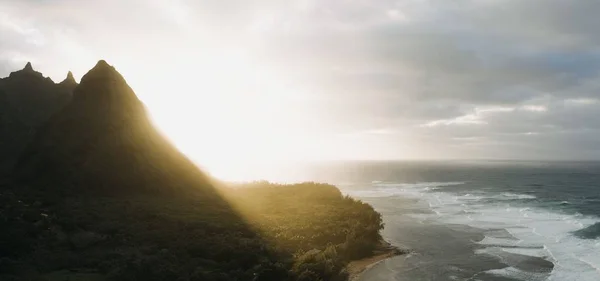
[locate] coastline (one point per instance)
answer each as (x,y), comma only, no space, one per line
(447,251)
(385,251)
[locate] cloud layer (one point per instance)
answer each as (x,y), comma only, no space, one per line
(370,79)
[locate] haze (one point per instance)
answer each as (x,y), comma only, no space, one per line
(250,82)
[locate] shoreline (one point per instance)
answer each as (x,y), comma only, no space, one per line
(385,251)
(448,251)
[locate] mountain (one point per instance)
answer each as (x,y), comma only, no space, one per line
(99,194)
(103,142)
(100,189)
(27,99)
(69,82)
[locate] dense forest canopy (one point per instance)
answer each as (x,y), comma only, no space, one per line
(276,232)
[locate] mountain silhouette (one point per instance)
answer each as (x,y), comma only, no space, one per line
(69,81)
(118,198)
(103,141)
(27,99)
(99,194)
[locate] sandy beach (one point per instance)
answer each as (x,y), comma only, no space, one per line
(385,251)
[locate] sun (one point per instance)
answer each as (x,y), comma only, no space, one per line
(231,116)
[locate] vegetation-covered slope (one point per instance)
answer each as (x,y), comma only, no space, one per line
(298,232)
(99,194)
(320,227)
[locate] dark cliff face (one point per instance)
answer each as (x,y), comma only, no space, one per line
(27,99)
(103,142)
(34,97)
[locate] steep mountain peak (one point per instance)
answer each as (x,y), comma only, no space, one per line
(30,99)
(70,79)
(104,83)
(102,63)
(103,140)
(102,67)
(28,67)
(27,71)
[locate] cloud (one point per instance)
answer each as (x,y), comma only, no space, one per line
(534,108)
(581,101)
(506,78)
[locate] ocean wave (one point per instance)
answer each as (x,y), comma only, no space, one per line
(538,233)
(512,272)
(419,184)
(386,189)
(590,232)
(509,195)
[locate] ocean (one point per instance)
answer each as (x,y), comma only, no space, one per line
(480,220)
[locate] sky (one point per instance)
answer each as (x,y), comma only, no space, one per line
(336,79)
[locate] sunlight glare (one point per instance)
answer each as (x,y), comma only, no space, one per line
(229,115)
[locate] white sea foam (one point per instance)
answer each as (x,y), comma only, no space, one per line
(516,273)
(509,195)
(381,189)
(537,232)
